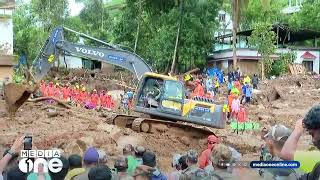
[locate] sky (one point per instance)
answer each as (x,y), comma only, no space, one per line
(75,8)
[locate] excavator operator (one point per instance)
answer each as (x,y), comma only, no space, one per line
(152,92)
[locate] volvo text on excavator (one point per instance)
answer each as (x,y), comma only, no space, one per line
(161,97)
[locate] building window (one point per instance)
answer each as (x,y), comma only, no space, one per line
(222,17)
(308,65)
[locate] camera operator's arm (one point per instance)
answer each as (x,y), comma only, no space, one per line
(14,149)
(290,146)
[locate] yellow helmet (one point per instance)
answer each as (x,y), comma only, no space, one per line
(187,77)
(83,89)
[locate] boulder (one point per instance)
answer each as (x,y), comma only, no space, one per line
(185,140)
(73,148)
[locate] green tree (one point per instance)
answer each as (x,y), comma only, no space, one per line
(238,6)
(159,23)
(264,39)
(305,18)
(50,13)
(28,37)
(255,13)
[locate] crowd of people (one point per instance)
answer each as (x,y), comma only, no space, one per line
(280,143)
(137,162)
(78,95)
(240,88)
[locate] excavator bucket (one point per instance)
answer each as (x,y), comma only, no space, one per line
(15,95)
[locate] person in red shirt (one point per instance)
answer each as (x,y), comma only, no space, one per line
(66,92)
(103,99)
(43,88)
(95,98)
(50,89)
(199,90)
(82,96)
(56,90)
(204,158)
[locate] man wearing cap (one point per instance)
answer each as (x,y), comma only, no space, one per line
(90,159)
(309,160)
(275,139)
(204,158)
(193,171)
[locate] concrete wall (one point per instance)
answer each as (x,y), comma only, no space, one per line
(6,71)
(107,68)
(299,59)
(72,62)
(248,67)
(6,32)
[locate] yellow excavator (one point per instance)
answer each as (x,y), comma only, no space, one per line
(161,97)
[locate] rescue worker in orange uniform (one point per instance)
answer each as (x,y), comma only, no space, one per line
(199,90)
(94,98)
(50,89)
(43,88)
(204,158)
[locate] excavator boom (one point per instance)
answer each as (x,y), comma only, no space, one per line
(56,45)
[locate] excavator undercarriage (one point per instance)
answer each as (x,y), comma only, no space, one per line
(152,125)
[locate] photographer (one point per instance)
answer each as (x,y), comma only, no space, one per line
(13,173)
(309,160)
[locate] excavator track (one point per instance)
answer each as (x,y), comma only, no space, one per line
(150,125)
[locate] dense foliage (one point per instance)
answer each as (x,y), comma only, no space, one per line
(263,39)
(150,27)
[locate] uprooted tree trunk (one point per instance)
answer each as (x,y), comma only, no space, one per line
(62,103)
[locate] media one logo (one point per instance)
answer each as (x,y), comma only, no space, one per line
(48,159)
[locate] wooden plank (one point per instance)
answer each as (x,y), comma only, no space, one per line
(294,69)
(291,68)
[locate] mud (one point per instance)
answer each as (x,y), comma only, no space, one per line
(73,130)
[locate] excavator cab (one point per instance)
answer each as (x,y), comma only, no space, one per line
(164,96)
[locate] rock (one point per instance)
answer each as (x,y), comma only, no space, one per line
(264,117)
(105,127)
(116,134)
(52,113)
(73,148)
(276,106)
(85,142)
(291,92)
(260,106)
(161,128)
(92,126)
(185,140)
(273,95)
(203,142)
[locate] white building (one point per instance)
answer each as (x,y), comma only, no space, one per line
(6,38)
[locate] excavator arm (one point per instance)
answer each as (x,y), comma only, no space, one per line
(15,95)
(56,44)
